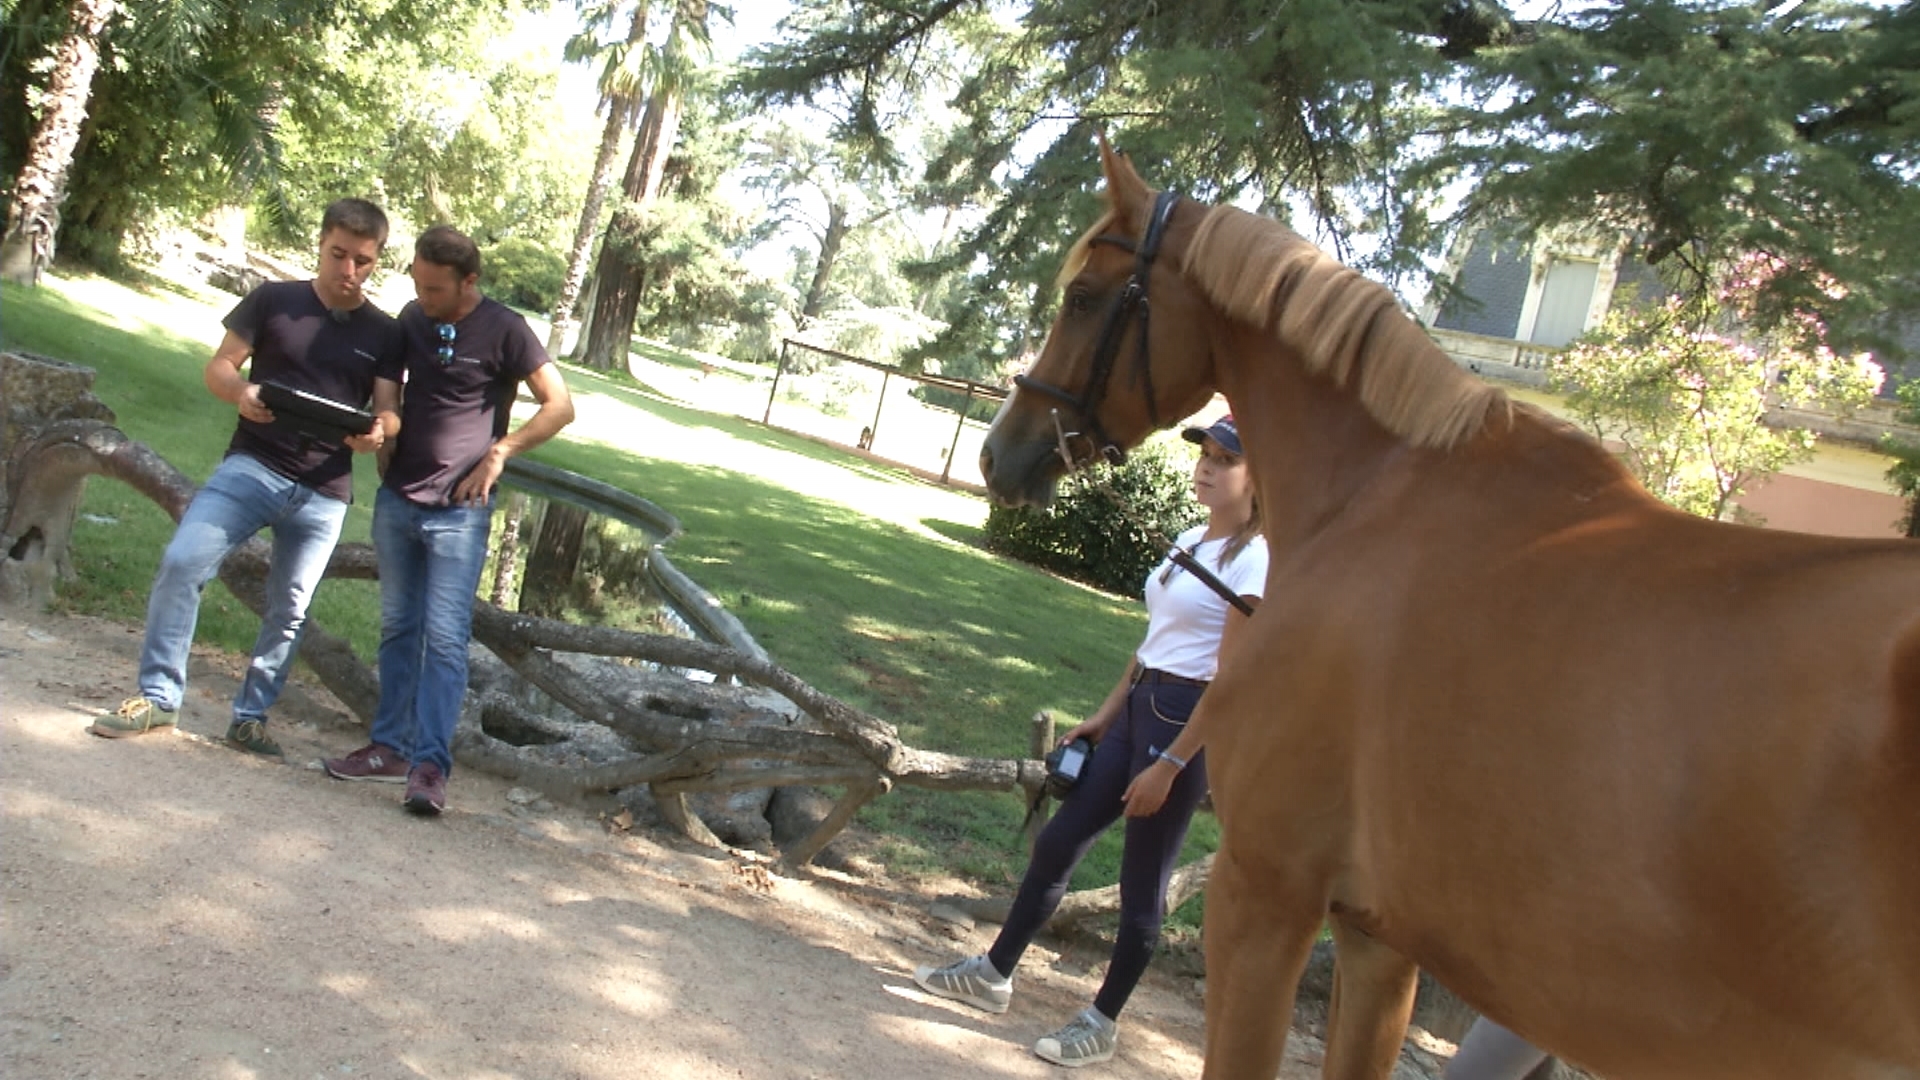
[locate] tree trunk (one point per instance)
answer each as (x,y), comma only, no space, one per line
(46,476)
(620,110)
(620,276)
(616,303)
(506,557)
(554,561)
(33,215)
(836,235)
(563,321)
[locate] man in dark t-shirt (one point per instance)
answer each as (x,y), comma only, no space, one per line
(321,337)
(466,358)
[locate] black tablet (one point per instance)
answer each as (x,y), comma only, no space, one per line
(311,414)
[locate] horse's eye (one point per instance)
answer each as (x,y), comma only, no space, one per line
(1077,302)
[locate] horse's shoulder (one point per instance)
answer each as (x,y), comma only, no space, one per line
(1906,689)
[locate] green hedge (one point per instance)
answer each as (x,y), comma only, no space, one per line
(1086,537)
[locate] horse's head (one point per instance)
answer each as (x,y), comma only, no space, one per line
(1108,375)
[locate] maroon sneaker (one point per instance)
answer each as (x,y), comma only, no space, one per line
(371,762)
(426,789)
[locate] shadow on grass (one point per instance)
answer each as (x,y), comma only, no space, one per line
(874,613)
(972,536)
(629,391)
(672,357)
(611,381)
(147,372)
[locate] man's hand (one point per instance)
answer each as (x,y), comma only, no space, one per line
(386,424)
(477,485)
(369,443)
(252,407)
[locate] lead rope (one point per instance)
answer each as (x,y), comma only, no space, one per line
(1181,556)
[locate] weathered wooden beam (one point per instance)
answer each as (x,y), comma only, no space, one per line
(856,796)
(1187,882)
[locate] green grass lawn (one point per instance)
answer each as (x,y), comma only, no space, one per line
(861,579)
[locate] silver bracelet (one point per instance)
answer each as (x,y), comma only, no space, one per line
(1178,763)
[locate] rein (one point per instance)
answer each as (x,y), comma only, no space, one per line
(1180,556)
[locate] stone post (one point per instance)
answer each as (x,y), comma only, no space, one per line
(36,391)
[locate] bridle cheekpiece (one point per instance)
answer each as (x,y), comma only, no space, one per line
(1131,304)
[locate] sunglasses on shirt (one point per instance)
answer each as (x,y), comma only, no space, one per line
(445,353)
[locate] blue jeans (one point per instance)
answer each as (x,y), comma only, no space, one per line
(239,499)
(430,562)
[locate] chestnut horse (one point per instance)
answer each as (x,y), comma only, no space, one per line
(1643,787)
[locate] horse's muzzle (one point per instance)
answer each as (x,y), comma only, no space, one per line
(1021,473)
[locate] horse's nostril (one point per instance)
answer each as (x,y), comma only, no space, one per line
(986,461)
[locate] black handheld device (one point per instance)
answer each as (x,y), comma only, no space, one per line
(311,414)
(1066,764)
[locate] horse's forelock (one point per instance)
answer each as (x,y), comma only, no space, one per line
(1345,327)
(1076,259)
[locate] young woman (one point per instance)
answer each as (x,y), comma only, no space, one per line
(1133,771)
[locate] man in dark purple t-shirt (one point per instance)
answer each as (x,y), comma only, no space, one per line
(466,358)
(321,337)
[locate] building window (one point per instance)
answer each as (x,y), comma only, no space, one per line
(1566,299)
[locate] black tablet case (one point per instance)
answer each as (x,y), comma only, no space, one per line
(311,414)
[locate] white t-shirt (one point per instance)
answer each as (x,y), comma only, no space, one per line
(1185,616)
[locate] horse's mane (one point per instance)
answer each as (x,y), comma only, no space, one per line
(1344,326)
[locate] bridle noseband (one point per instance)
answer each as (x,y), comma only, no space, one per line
(1131,301)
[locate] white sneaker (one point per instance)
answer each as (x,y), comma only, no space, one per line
(972,981)
(1088,1039)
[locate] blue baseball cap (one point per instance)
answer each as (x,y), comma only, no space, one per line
(1221,431)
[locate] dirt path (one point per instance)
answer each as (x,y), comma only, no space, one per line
(172,908)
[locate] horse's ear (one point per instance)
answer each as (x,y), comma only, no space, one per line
(1127,194)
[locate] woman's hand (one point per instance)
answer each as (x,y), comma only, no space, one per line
(1093,729)
(1148,791)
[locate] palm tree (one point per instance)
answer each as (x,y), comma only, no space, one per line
(619,281)
(33,214)
(623,72)
(102,149)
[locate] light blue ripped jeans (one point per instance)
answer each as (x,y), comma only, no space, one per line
(239,499)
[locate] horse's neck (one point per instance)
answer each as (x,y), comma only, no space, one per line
(1316,451)
(1313,448)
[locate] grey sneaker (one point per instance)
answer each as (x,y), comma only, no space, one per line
(972,981)
(135,716)
(251,736)
(1088,1039)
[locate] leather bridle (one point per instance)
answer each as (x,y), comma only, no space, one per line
(1130,305)
(1131,302)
